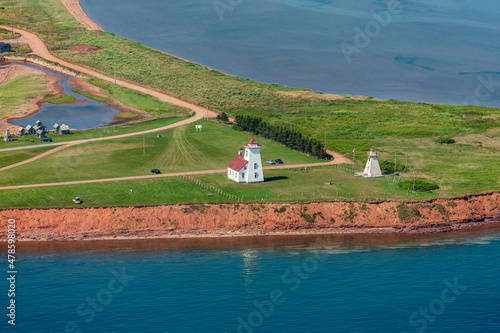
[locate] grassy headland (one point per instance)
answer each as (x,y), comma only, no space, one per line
(16,93)
(406,129)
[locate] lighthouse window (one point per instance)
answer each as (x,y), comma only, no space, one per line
(255,165)
(243,175)
(255,175)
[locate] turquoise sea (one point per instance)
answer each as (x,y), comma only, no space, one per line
(329,283)
(442,51)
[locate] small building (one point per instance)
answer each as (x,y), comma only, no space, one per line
(8,136)
(372,168)
(29,130)
(246,167)
(56,128)
(5,47)
(40,134)
(64,129)
(21,131)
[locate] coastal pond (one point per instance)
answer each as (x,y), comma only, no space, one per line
(87,113)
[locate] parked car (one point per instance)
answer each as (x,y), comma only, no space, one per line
(47,139)
(77,200)
(270,162)
(279,161)
(155,171)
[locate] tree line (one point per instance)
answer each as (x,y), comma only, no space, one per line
(289,137)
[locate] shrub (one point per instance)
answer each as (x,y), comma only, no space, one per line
(388,167)
(445,140)
(421,185)
(407,213)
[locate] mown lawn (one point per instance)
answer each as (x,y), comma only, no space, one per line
(12,157)
(214,188)
(179,149)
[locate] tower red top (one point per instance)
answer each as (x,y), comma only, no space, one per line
(252,139)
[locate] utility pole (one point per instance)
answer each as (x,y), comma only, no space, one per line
(207,108)
(143,144)
(413,181)
(406,165)
(115,75)
(395,164)
(353,150)
(18,45)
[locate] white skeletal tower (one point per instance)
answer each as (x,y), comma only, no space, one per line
(372,168)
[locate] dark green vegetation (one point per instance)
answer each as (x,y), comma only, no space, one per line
(419,184)
(407,130)
(445,140)
(282,134)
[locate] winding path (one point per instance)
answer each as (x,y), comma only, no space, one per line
(39,48)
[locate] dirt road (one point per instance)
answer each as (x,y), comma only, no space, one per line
(39,48)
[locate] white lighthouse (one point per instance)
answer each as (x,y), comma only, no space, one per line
(246,167)
(372,168)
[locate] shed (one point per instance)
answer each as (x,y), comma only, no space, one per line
(8,136)
(64,129)
(30,130)
(40,134)
(21,131)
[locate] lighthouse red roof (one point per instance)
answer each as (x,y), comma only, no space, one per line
(237,163)
(252,139)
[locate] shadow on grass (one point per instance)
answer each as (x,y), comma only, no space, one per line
(270,179)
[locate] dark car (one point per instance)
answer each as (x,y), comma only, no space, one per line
(279,161)
(47,139)
(155,171)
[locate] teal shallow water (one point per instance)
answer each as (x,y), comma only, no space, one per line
(443,51)
(343,283)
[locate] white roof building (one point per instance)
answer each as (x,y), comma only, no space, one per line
(246,167)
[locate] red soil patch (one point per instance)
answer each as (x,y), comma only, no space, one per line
(81,48)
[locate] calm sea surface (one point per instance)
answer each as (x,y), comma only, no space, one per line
(338,283)
(89,114)
(443,51)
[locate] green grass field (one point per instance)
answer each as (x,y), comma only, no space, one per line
(175,190)
(180,149)
(405,129)
(12,157)
(15,93)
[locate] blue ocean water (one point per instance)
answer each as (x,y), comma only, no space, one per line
(442,51)
(89,114)
(328,283)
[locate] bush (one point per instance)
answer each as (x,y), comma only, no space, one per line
(445,140)
(408,213)
(422,185)
(388,167)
